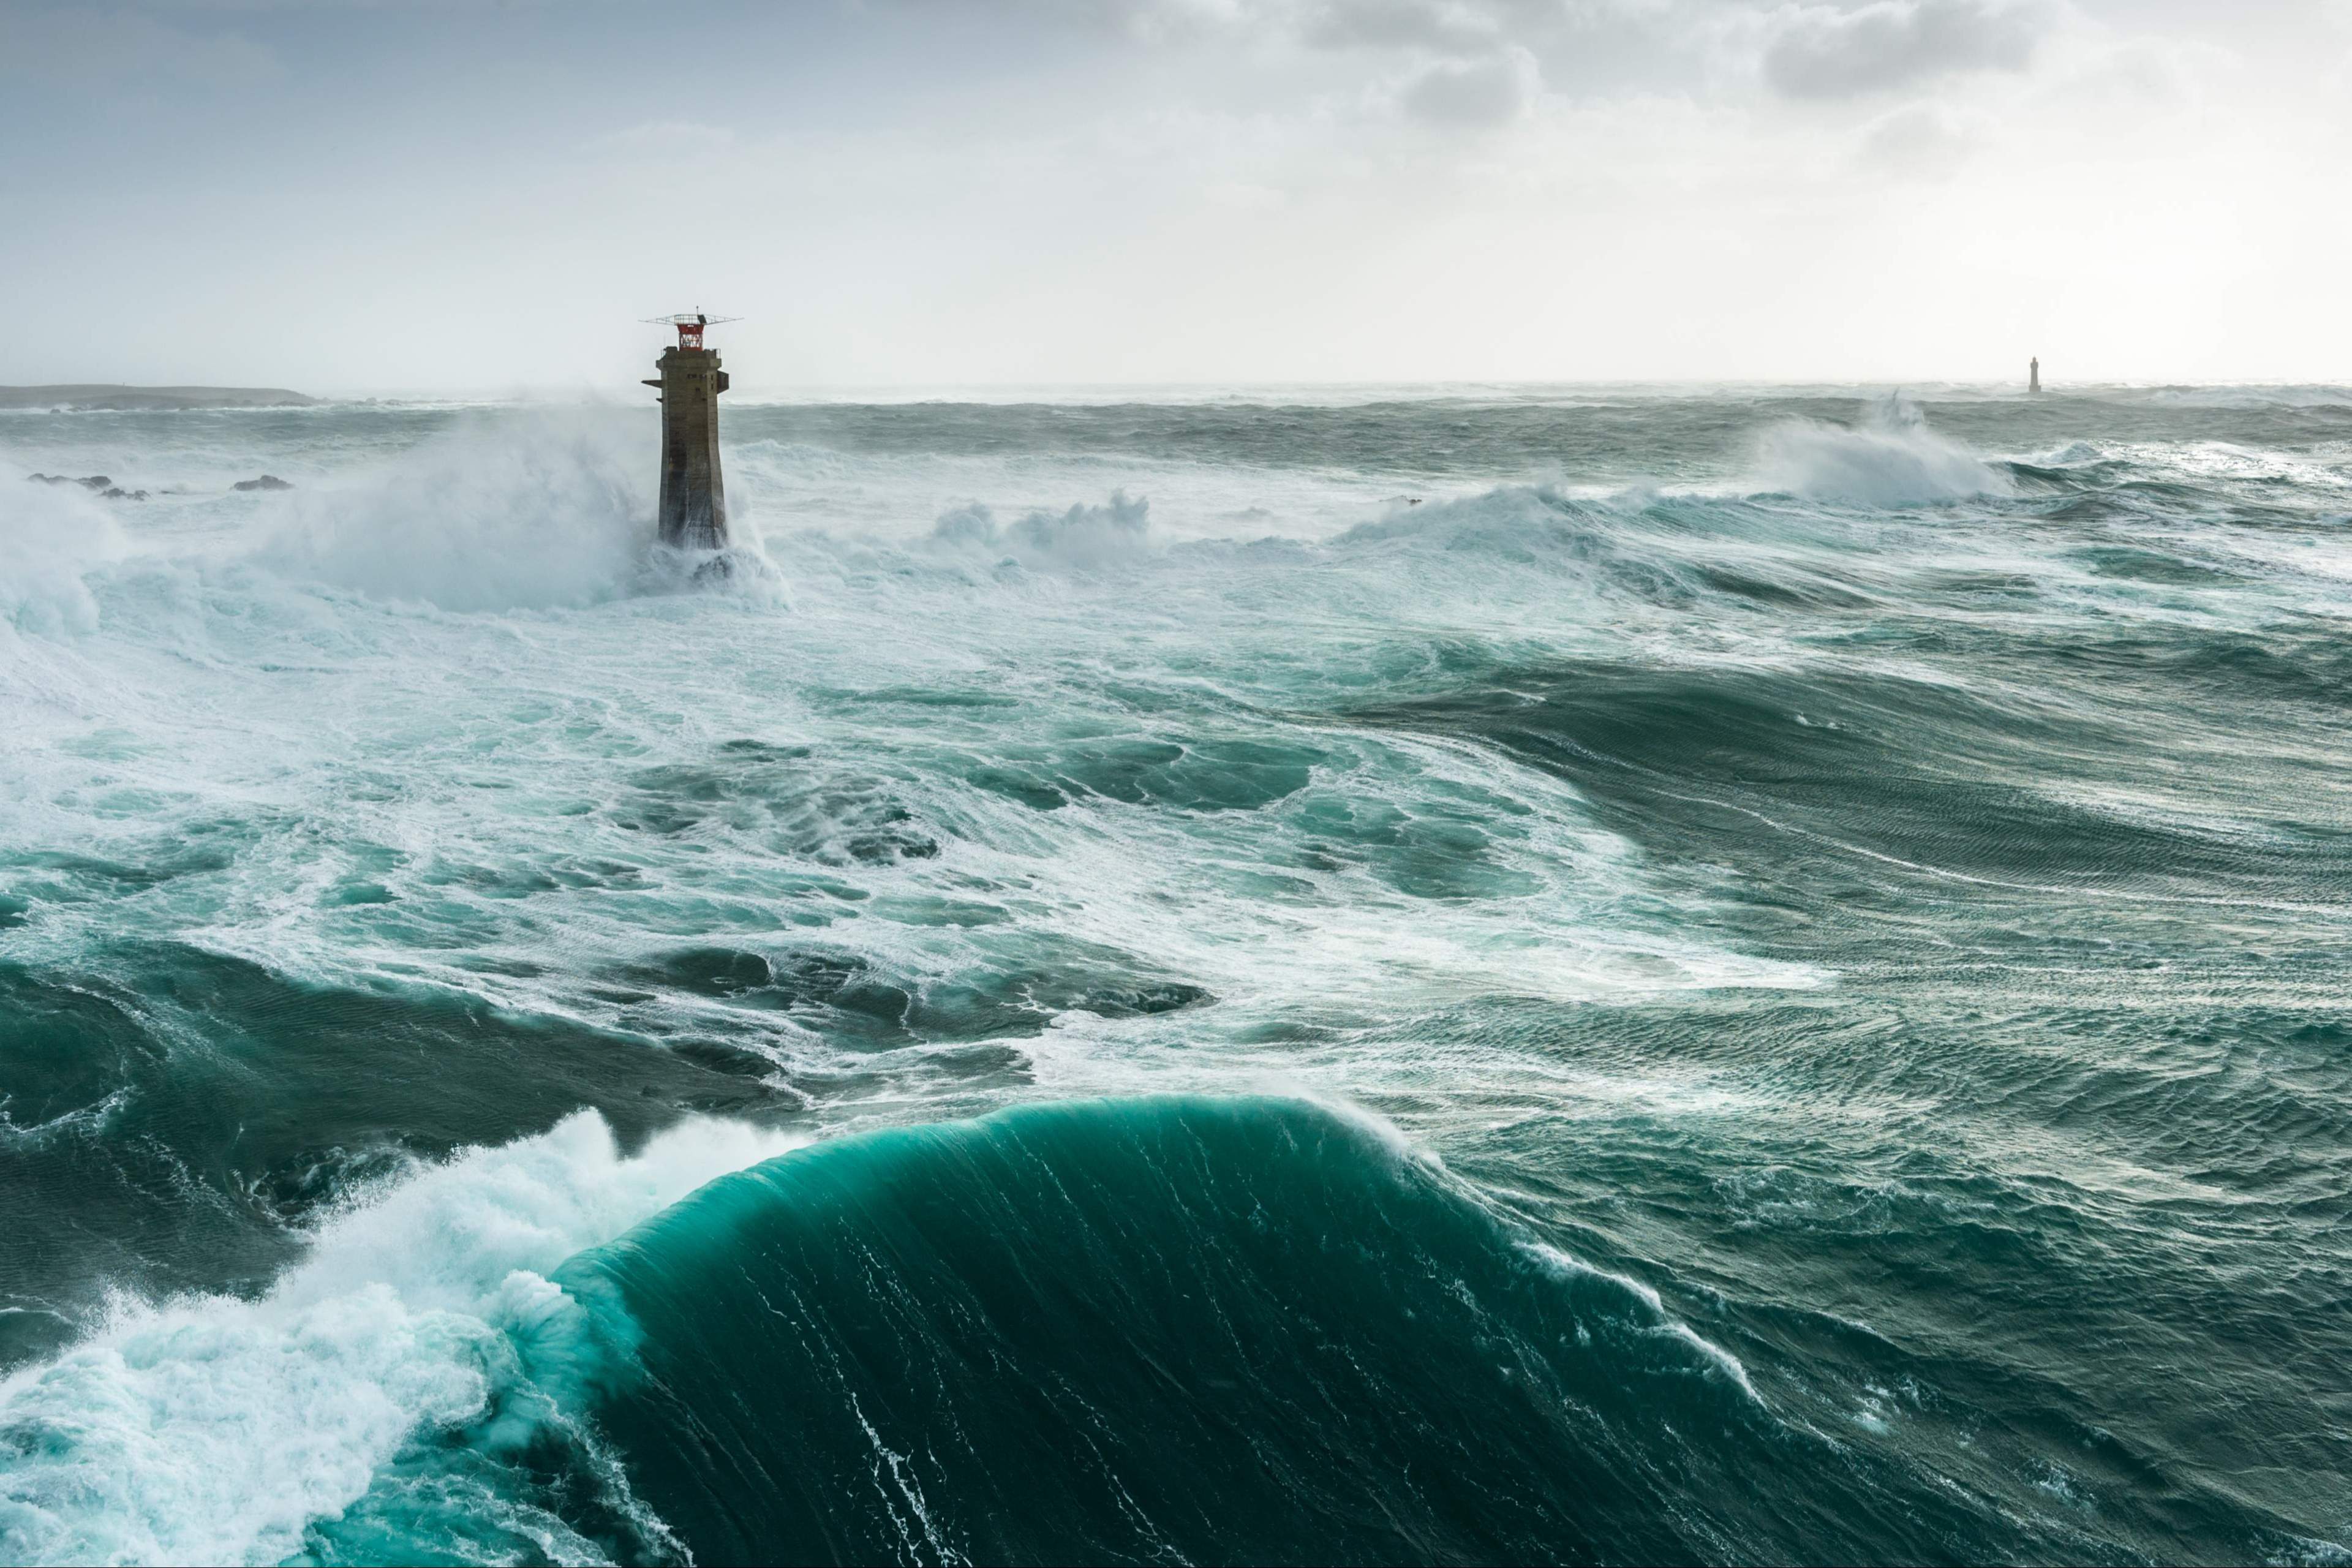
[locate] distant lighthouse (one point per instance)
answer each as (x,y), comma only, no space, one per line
(2033,375)
(693,490)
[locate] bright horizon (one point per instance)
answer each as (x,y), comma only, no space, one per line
(1304,393)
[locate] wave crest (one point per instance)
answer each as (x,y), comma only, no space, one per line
(537,512)
(51,537)
(1083,538)
(1890,457)
(215,1429)
(1160,1329)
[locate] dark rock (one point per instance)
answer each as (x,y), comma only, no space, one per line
(119,493)
(265,482)
(94,482)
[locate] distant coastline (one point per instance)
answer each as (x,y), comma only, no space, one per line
(146,399)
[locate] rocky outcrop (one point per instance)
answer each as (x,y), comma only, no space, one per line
(97,485)
(265,482)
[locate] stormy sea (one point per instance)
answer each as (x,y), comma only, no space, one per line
(1426,975)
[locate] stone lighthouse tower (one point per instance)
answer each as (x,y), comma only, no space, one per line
(693,491)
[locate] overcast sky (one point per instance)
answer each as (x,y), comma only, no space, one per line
(409,195)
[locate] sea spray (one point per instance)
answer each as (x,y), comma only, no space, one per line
(51,538)
(217,1429)
(1082,537)
(1889,458)
(540,513)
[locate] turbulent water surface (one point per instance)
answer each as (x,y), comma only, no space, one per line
(1630,976)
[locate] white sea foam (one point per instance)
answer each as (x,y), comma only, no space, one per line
(533,511)
(1890,459)
(1084,536)
(51,538)
(215,1429)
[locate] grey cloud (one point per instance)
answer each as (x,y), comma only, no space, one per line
(1472,94)
(1451,65)
(99,45)
(1448,27)
(1484,62)
(1445,24)
(1920,141)
(1583,47)
(1827,52)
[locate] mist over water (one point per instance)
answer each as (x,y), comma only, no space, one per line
(1599,975)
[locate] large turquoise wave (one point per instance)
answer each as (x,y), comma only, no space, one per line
(1182,1330)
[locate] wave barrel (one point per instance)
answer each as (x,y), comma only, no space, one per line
(693,487)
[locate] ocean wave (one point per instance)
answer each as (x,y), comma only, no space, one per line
(52,537)
(1525,522)
(1890,459)
(1175,1330)
(1896,772)
(1082,537)
(539,512)
(1151,1328)
(2313,395)
(219,1430)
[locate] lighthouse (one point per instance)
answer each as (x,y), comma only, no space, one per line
(693,490)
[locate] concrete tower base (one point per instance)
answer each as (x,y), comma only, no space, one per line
(693,490)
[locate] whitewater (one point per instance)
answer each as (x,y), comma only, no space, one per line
(1466,975)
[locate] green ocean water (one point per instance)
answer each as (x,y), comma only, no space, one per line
(1518,974)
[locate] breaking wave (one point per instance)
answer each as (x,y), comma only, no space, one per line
(220,1429)
(1082,537)
(1890,459)
(1092,1299)
(543,512)
(1039,1335)
(51,538)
